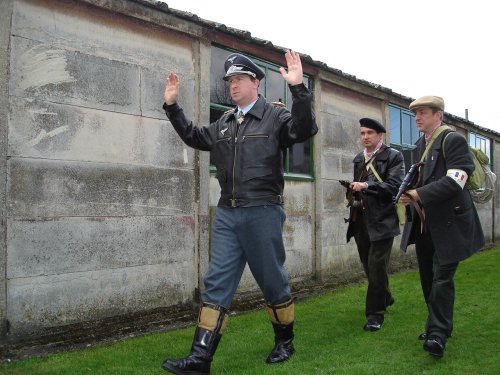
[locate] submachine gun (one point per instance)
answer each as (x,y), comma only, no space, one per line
(409,182)
(354,199)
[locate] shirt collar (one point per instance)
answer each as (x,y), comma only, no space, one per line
(247,108)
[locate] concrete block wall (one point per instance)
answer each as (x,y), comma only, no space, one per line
(496,199)
(100,202)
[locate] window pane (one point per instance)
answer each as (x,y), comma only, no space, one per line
(219,91)
(298,158)
(275,86)
(395,122)
(472,139)
(415,134)
(406,129)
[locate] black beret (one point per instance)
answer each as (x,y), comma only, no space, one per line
(238,64)
(372,124)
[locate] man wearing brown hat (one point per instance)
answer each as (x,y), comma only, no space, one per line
(378,173)
(246,147)
(450,231)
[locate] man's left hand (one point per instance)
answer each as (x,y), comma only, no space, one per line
(293,75)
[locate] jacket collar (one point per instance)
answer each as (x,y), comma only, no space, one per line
(256,111)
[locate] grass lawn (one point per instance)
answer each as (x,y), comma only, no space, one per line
(329,336)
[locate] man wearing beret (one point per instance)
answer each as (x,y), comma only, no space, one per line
(450,231)
(378,173)
(246,147)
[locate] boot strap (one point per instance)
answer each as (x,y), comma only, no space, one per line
(282,313)
(212,317)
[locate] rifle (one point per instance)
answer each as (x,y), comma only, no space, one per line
(409,181)
(353,199)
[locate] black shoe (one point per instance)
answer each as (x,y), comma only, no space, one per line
(186,366)
(283,343)
(434,346)
(282,351)
(199,360)
(422,336)
(372,325)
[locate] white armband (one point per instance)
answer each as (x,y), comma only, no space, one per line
(458,175)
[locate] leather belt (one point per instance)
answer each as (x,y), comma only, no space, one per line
(250,202)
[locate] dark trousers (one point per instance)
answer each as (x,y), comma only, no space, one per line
(374,256)
(425,255)
(438,286)
(241,236)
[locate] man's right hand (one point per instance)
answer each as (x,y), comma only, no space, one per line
(408,196)
(171,89)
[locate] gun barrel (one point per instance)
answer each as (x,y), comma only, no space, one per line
(408,181)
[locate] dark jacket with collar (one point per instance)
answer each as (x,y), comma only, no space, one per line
(379,213)
(249,157)
(450,214)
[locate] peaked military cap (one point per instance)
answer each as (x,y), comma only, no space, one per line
(372,124)
(428,101)
(238,64)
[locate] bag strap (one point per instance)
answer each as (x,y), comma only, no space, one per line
(374,171)
(442,144)
(369,162)
(438,131)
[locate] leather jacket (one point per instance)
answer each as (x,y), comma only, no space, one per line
(378,211)
(249,157)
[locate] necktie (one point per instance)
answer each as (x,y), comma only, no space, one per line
(240,117)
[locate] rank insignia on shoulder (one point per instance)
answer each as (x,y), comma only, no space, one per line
(278,104)
(229,111)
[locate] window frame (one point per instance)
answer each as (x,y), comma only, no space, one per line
(488,149)
(267,66)
(405,148)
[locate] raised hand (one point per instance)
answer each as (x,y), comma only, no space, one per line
(293,75)
(171,89)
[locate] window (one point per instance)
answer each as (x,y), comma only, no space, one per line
(481,142)
(297,160)
(404,132)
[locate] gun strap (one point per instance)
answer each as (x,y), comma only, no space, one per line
(420,212)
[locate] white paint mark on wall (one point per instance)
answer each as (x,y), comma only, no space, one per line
(44,135)
(41,111)
(40,66)
(185,153)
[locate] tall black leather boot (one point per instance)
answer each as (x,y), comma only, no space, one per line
(283,343)
(211,323)
(282,317)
